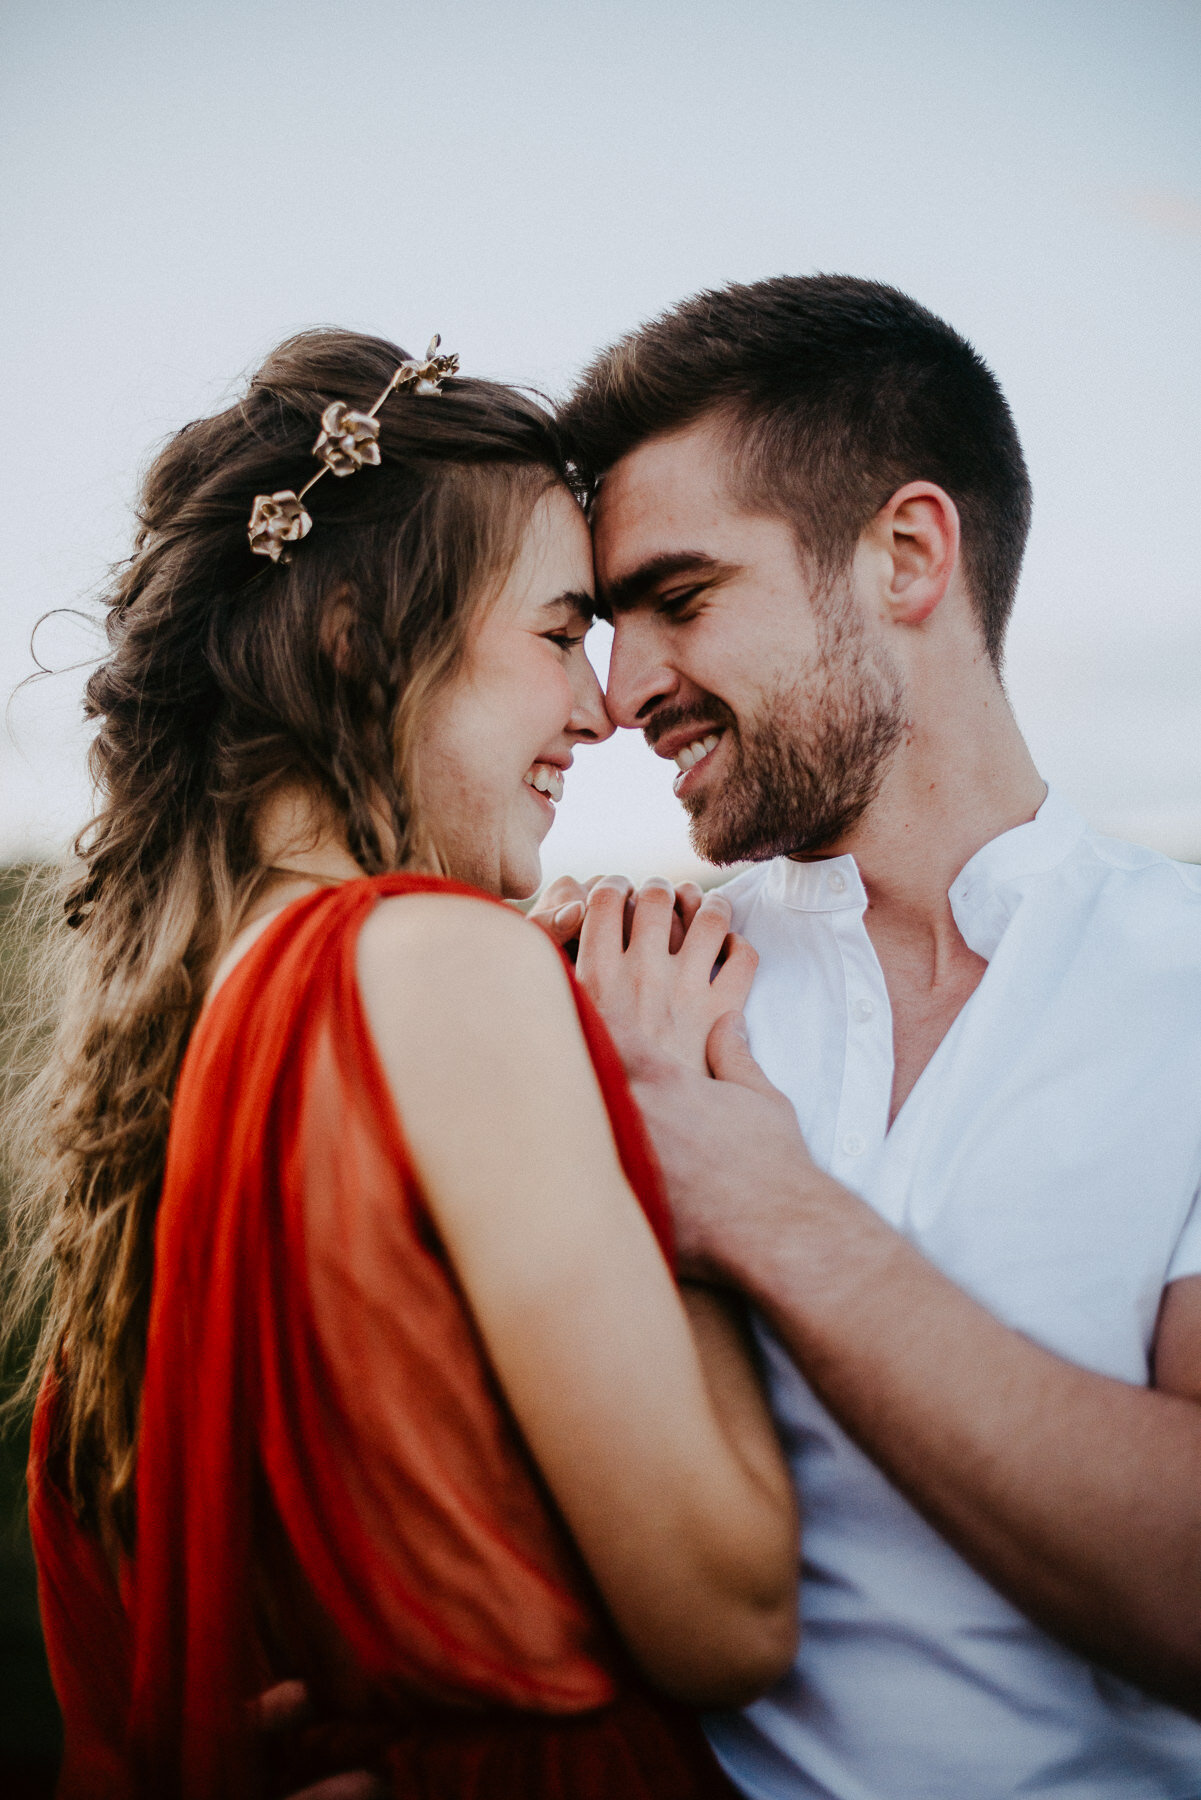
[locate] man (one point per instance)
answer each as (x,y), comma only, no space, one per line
(983,1336)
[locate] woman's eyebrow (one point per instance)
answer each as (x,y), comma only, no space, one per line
(575,601)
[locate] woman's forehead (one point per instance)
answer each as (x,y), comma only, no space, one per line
(554,562)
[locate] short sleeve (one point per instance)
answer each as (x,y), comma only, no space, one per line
(1186,1258)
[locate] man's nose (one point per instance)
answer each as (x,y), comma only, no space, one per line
(639,676)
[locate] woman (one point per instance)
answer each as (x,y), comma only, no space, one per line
(411,1409)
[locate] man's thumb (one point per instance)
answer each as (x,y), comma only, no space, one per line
(729,1055)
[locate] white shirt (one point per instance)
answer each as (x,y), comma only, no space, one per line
(1048,1160)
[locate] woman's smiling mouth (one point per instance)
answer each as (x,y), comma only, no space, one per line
(545,779)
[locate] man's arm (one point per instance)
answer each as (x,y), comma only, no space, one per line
(1077,1496)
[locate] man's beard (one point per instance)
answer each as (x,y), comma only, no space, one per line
(809,763)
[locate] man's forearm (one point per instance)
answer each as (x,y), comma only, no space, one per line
(1076,1495)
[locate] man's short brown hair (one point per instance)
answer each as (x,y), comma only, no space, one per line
(837,392)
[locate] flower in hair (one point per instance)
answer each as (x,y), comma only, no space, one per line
(426,377)
(277,519)
(348,439)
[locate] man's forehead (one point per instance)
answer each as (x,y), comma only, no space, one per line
(675,465)
(666,497)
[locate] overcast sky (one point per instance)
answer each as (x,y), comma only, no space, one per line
(186,184)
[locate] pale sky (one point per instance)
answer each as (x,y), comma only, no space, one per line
(185,185)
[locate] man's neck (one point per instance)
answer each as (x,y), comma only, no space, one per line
(961,777)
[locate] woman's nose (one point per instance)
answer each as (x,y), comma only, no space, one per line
(589,717)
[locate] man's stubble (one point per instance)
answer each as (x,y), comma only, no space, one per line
(809,762)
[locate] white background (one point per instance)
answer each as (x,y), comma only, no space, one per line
(184,184)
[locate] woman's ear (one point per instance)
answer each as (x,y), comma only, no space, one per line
(918,530)
(338,637)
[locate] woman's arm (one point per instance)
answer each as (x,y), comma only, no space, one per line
(721,1331)
(662,1463)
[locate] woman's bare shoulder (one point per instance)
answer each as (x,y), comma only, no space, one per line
(472,1015)
(443,961)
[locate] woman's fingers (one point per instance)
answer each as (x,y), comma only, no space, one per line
(732,983)
(560,910)
(707,933)
(688,898)
(729,1056)
(602,935)
(654,910)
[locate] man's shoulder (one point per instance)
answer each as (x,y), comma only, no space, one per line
(1141,877)
(1145,905)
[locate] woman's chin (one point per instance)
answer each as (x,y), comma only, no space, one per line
(509,866)
(521,872)
(515,886)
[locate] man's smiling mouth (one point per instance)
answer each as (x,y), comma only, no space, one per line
(688,742)
(691,756)
(692,753)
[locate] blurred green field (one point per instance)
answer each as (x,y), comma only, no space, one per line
(29,1722)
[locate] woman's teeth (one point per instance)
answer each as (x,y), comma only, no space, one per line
(692,753)
(547,779)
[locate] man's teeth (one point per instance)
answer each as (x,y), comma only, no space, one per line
(692,753)
(547,779)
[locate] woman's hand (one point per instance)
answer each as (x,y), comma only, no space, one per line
(560,910)
(661,1002)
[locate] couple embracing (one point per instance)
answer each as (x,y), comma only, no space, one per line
(494,1346)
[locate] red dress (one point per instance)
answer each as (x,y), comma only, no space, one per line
(330,1482)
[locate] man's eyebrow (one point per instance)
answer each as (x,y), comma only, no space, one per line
(629,591)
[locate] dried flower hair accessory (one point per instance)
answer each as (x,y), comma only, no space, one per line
(349,441)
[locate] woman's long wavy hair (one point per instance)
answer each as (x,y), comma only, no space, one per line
(227,678)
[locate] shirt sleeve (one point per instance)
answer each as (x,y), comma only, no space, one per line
(1186,1258)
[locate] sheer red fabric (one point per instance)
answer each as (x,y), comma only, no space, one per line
(330,1483)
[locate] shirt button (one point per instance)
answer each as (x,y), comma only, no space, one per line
(853,1144)
(864,1009)
(836,881)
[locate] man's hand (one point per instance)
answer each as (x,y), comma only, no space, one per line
(733,1159)
(560,910)
(285,1709)
(990,1436)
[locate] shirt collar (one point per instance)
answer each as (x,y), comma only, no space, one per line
(982,897)
(985,894)
(831,885)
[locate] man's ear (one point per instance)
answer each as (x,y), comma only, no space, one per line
(918,532)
